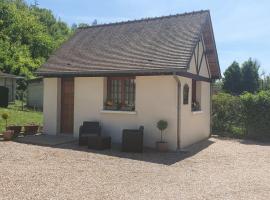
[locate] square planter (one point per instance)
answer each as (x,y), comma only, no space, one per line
(162,146)
(31,129)
(16,129)
(8,135)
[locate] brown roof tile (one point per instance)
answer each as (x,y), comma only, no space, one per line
(158,44)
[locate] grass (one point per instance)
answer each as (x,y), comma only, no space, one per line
(19,117)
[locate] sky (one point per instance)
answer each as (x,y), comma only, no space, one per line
(241,27)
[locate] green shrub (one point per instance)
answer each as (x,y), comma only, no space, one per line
(162,125)
(242,116)
(227,115)
(5,117)
(256,109)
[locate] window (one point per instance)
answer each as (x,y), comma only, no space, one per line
(120,93)
(196,95)
(185,94)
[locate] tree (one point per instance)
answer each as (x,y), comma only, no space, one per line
(232,79)
(5,117)
(264,81)
(28,35)
(250,76)
(162,125)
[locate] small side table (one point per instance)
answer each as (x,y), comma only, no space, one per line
(99,142)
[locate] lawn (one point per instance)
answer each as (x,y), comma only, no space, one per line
(19,117)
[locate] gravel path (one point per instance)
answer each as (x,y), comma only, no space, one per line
(215,169)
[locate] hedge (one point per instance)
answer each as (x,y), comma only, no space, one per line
(242,116)
(3,97)
(256,112)
(227,116)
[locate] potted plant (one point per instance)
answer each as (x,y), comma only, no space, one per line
(161,145)
(17,129)
(5,117)
(8,134)
(196,106)
(31,129)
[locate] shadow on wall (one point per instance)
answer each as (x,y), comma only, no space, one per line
(149,155)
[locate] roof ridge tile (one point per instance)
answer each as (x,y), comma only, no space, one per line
(146,19)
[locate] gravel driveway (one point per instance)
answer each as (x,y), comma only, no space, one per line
(215,169)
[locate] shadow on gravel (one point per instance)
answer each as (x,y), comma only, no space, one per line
(244,141)
(253,142)
(149,155)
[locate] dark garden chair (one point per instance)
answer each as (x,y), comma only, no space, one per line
(132,140)
(88,129)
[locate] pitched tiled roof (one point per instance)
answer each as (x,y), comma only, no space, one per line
(162,44)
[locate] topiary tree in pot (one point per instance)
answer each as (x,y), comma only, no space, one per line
(5,117)
(7,134)
(161,145)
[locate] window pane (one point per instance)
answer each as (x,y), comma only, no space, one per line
(115,91)
(185,94)
(121,90)
(129,92)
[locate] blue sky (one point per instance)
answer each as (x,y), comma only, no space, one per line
(242,27)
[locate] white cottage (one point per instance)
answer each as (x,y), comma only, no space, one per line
(135,73)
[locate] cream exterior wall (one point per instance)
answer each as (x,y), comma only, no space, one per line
(195,126)
(155,100)
(203,71)
(51,105)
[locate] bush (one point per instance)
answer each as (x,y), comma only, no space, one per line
(3,97)
(227,115)
(256,109)
(247,115)
(162,125)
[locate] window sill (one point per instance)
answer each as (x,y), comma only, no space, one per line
(197,112)
(118,112)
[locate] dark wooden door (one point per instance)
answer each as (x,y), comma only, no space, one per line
(67,105)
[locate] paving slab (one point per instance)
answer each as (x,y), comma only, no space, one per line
(46,140)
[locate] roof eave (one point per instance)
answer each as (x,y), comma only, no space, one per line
(110,73)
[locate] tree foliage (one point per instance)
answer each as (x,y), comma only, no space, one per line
(162,125)
(265,82)
(28,35)
(242,79)
(250,76)
(232,79)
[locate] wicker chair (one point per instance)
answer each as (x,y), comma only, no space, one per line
(132,140)
(88,129)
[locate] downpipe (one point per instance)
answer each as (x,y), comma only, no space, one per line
(178,98)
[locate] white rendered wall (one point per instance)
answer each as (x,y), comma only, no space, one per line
(155,100)
(51,105)
(195,126)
